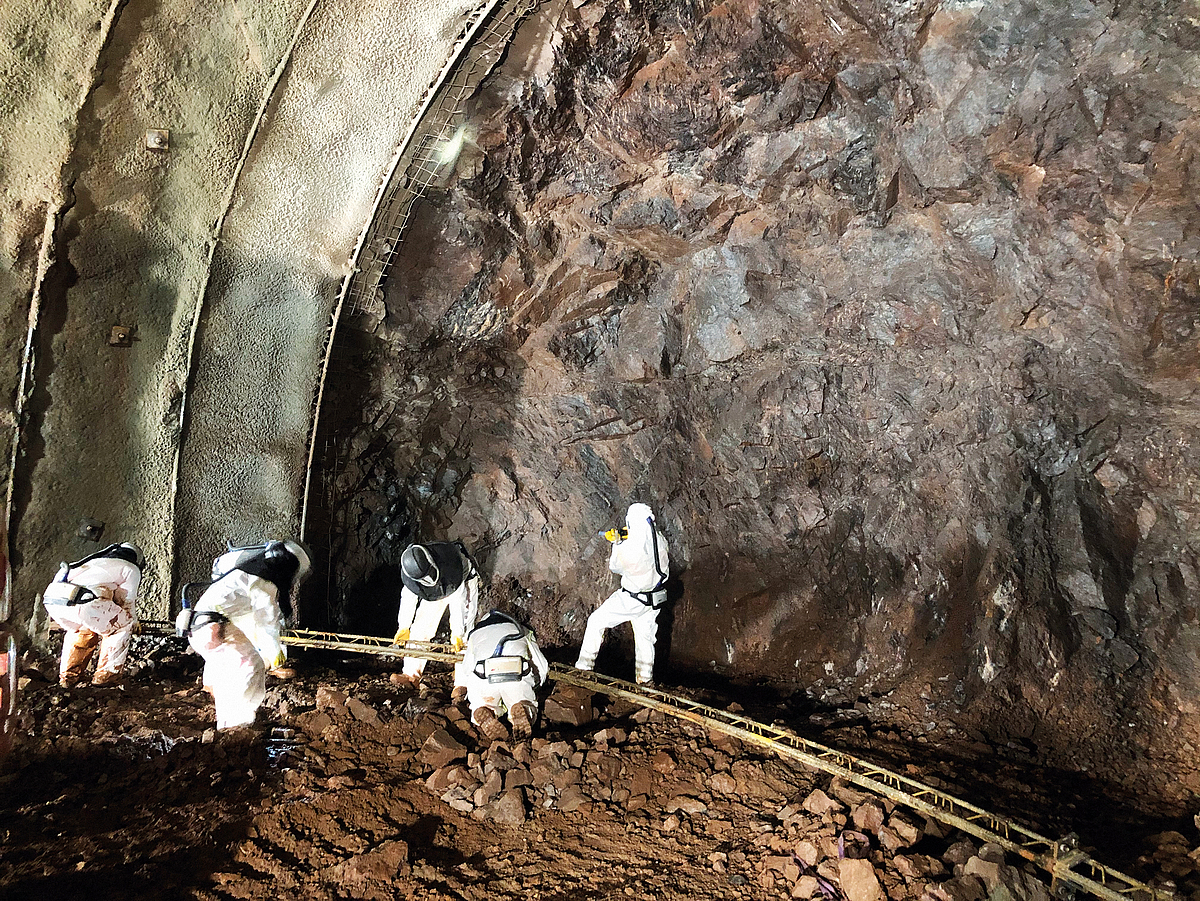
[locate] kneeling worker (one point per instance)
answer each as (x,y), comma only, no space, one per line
(236,624)
(437,578)
(500,672)
(95,601)
(639,557)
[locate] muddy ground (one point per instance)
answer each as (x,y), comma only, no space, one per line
(352,787)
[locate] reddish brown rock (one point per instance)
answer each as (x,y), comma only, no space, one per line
(440,749)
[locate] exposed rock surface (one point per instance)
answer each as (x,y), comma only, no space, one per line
(888,308)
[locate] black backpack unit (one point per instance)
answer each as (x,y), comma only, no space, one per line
(447,567)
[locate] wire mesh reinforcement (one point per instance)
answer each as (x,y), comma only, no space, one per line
(1068,866)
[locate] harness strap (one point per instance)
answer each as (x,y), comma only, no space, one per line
(646,598)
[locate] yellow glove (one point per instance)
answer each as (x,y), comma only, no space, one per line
(615,535)
(279,660)
(401,636)
(458,643)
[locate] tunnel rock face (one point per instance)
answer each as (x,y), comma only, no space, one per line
(888,309)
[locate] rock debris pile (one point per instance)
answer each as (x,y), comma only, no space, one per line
(358,788)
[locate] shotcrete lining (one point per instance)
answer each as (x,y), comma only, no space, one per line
(283,256)
(135,246)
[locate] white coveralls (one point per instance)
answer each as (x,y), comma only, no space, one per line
(500,696)
(238,652)
(422,617)
(108,620)
(634,561)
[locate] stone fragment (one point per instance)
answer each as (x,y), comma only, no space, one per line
(317,722)
(905,829)
(441,779)
(379,866)
(508,809)
(858,880)
(723,783)
(610,736)
(992,852)
(490,790)
(842,790)
(1099,621)
(568,705)
(571,798)
(805,887)
(820,803)
(987,870)
(331,699)
(918,866)
(959,853)
(684,804)
(958,888)
(671,823)
(663,762)
(868,816)
(459,799)
(441,748)
(807,852)
(516,777)
(1123,656)
(362,712)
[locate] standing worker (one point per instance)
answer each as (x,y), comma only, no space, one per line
(437,577)
(639,557)
(95,600)
(500,672)
(236,624)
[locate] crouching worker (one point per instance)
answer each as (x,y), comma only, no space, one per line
(437,578)
(639,557)
(236,624)
(500,672)
(95,601)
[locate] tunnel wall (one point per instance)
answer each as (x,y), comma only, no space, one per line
(228,323)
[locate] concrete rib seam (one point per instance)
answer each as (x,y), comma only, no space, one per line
(45,260)
(218,226)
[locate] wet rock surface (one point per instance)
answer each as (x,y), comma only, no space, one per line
(887,308)
(128,793)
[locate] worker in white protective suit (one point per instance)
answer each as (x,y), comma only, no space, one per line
(500,672)
(95,601)
(437,578)
(237,623)
(639,557)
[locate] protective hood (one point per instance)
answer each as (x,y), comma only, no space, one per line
(636,515)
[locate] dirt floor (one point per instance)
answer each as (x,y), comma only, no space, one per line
(352,787)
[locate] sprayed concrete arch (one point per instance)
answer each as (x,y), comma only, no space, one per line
(221,255)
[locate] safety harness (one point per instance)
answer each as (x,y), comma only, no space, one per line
(189,619)
(501,667)
(646,598)
(65,593)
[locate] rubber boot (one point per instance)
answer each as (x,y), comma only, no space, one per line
(489,724)
(105,677)
(77,652)
(523,716)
